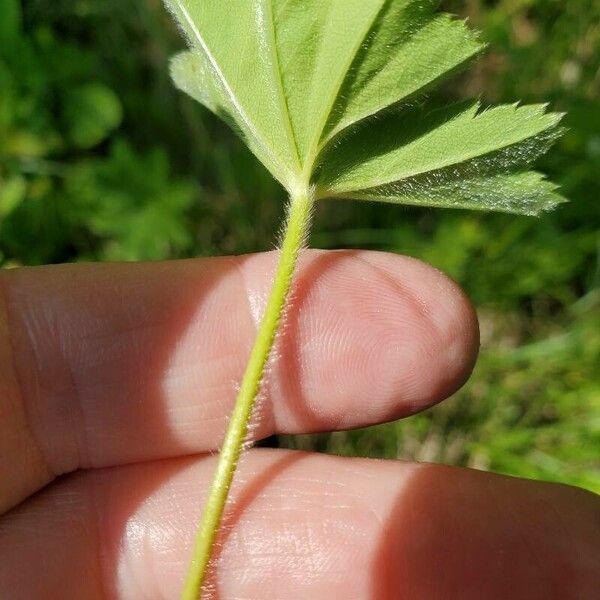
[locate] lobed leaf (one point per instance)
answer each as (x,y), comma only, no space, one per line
(321,91)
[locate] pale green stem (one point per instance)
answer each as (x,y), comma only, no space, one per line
(296,230)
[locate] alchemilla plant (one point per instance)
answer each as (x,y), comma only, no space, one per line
(331,96)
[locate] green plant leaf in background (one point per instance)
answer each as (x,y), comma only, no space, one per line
(91,112)
(330,93)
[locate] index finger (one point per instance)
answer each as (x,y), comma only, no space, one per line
(130,362)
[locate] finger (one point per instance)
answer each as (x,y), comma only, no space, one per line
(121,363)
(306,526)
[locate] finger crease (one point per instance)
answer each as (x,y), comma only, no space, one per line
(22,406)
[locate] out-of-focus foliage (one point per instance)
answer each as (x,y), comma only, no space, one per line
(101,159)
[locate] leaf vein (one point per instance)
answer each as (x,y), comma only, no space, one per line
(278,74)
(337,88)
(227,88)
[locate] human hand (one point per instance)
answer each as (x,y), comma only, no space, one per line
(117,382)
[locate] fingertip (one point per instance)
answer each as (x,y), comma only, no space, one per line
(370,337)
(439,333)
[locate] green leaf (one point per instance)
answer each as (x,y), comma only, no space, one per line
(323,92)
(92,112)
(525,193)
(419,157)
(191,73)
(12,193)
(131,204)
(408,49)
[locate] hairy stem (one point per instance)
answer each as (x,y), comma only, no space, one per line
(296,230)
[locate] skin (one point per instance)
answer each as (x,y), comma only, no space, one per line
(117,381)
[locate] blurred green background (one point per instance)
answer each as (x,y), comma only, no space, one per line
(101,159)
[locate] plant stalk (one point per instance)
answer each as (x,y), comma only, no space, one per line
(296,230)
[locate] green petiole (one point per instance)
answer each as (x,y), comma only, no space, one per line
(296,232)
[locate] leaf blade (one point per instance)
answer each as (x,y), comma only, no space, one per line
(409,49)
(402,146)
(524,193)
(191,74)
(211,28)
(318,41)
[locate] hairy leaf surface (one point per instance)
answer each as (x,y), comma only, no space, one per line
(328,93)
